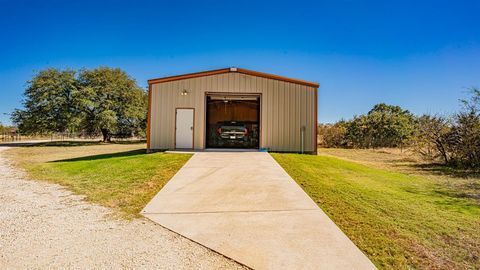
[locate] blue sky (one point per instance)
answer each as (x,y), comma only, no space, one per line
(421,55)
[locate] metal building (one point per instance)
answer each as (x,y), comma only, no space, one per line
(232,108)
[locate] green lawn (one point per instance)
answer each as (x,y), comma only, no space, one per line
(124,178)
(399,220)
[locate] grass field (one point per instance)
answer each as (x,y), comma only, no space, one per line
(402,215)
(120,176)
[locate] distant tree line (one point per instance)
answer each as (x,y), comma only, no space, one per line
(453,140)
(103,100)
(5,129)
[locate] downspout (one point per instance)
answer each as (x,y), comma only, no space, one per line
(302,132)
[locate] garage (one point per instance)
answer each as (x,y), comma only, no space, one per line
(232,108)
(232,121)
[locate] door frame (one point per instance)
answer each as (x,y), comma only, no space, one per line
(175,129)
(259,95)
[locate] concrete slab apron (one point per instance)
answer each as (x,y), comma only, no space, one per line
(246,207)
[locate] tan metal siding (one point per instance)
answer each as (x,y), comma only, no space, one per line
(285,108)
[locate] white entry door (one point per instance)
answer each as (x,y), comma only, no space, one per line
(184,128)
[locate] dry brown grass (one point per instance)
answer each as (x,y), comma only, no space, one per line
(51,151)
(459,183)
(384,158)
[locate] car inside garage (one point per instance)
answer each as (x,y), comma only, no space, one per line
(233,121)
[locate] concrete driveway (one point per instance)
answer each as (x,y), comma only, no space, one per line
(246,207)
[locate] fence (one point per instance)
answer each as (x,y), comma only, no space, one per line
(19,137)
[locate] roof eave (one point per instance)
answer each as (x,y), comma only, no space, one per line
(227,70)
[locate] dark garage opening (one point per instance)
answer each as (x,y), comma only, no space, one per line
(233,121)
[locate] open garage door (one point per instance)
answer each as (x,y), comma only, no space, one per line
(233,121)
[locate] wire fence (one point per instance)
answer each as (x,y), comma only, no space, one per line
(6,137)
(19,137)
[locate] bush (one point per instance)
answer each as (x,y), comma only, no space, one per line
(431,138)
(383,126)
(465,134)
(332,135)
(454,141)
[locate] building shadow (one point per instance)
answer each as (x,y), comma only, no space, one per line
(130,153)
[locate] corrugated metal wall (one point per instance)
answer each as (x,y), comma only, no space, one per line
(285,108)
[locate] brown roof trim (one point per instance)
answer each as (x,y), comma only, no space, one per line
(276,77)
(227,70)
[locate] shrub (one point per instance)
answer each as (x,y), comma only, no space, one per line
(332,135)
(454,141)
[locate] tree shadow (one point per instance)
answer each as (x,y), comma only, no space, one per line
(473,193)
(441,169)
(466,186)
(72,143)
(104,156)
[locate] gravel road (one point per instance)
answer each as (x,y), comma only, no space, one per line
(44,226)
